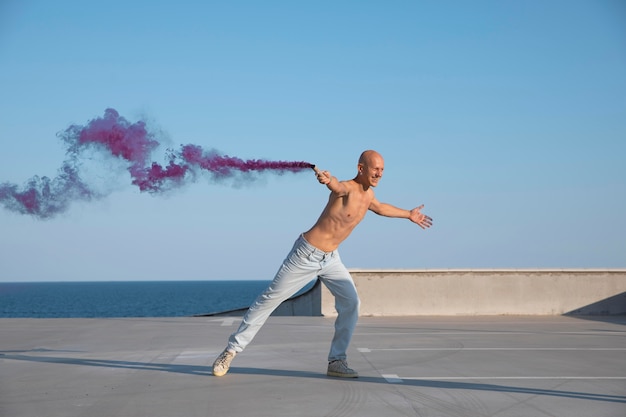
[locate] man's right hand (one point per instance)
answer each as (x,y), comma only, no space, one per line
(323,177)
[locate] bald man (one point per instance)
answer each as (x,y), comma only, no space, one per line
(315,256)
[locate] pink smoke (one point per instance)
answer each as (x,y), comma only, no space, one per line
(114,135)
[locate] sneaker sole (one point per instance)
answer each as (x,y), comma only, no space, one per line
(341,375)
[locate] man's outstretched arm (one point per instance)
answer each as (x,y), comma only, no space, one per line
(415,215)
(333,184)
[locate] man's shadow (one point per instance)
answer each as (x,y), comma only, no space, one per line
(440,384)
(208,371)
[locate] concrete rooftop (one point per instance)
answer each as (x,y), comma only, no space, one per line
(500,366)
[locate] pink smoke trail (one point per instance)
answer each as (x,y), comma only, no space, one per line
(114,135)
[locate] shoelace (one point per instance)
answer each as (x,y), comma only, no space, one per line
(342,363)
(223,358)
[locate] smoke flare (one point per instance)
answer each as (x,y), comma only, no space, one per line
(113,135)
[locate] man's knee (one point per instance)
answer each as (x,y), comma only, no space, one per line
(347,304)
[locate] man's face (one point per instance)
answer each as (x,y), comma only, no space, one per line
(372,170)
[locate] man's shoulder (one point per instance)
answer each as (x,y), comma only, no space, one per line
(350,185)
(354,186)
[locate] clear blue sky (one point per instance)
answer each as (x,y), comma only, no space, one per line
(507,119)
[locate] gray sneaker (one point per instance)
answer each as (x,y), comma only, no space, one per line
(339,368)
(222,363)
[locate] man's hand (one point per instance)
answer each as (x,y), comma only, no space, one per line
(323,177)
(419,218)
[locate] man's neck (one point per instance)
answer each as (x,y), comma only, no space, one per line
(358,180)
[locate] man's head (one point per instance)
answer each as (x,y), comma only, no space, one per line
(370,168)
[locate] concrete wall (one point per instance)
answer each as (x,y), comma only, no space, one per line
(471,292)
(487,292)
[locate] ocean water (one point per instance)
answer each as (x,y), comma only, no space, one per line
(125,299)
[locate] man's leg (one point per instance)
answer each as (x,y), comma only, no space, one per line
(297,270)
(285,285)
(338,280)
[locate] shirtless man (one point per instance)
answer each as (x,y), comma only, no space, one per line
(315,256)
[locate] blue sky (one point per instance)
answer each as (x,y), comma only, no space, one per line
(507,119)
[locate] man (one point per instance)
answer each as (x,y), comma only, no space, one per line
(314,255)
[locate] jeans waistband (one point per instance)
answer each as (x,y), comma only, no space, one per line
(312,248)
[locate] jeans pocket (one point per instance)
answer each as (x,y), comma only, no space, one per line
(299,257)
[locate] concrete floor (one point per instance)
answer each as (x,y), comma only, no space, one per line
(410,366)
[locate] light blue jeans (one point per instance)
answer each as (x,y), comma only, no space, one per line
(304,264)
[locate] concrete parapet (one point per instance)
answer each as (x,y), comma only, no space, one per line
(487,292)
(470,292)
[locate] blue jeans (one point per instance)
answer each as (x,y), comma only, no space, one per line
(304,264)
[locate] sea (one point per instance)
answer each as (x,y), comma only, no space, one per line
(125,298)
